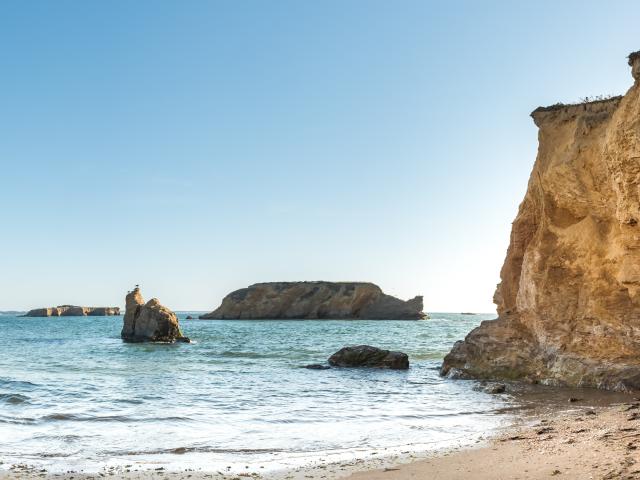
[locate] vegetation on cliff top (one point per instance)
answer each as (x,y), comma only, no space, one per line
(583,101)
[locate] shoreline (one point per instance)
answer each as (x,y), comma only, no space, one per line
(580,441)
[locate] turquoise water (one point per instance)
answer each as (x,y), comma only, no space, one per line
(73,395)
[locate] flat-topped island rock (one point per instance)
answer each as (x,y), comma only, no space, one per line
(73,311)
(149,322)
(316,300)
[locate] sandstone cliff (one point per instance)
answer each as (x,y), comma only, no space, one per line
(149,322)
(315,300)
(569,298)
(73,311)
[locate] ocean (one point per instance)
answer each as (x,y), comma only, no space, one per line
(73,396)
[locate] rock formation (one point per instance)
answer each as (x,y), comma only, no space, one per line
(149,322)
(569,298)
(73,311)
(368,356)
(316,300)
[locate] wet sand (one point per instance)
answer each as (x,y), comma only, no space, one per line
(583,441)
(587,443)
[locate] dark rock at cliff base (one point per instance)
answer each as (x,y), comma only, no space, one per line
(368,356)
(149,322)
(316,300)
(73,311)
(496,388)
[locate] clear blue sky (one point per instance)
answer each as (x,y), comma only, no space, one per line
(198,147)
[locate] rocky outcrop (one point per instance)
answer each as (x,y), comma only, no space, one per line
(149,322)
(368,356)
(73,311)
(569,300)
(316,300)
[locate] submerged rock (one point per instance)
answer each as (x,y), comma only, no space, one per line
(368,356)
(569,299)
(149,322)
(73,311)
(316,300)
(317,366)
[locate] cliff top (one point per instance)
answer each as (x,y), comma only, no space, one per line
(601,100)
(588,104)
(311,282)
(561,111)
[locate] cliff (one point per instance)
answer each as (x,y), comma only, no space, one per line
(569,298)
(315,300)
(73,311)
(149,322)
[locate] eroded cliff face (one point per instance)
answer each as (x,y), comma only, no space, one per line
(315,300)
(569,298)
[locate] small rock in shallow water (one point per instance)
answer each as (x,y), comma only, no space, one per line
(496,388)
(317,366)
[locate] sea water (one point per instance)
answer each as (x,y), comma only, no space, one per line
(74,396)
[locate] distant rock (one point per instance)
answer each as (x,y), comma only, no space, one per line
(368,356)
(316,300)
(149,322)
(189,317)
(73,311)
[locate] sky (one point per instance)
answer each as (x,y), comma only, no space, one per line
(198,147)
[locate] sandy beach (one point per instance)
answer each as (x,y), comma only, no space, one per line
(587,443)
(582,442)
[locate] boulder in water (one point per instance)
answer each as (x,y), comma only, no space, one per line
(368,356)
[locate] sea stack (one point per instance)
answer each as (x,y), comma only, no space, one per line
(149,322)
(316,300)
(569,300)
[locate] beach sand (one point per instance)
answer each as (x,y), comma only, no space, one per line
(579,443)
(585,443)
